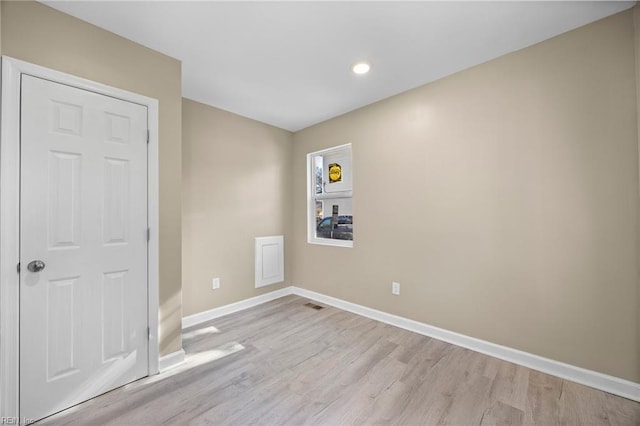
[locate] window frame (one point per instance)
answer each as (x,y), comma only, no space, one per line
(312,197)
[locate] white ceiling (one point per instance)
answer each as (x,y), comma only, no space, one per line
(288,63)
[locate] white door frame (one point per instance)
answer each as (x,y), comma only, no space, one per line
(12,69)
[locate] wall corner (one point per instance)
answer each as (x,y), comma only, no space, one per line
(636,28)
(1,2)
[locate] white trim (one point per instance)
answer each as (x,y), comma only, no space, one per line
(12,69)
(171,360)
(199,318)
(9,240)
(153,247)
(604,382)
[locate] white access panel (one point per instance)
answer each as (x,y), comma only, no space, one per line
(269,260)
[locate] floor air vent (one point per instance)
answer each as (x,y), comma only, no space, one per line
(314,306)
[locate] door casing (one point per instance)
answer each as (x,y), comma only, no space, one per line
(11,71)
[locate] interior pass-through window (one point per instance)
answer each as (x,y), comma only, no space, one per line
(330,195)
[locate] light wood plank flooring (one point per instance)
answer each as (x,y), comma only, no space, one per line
(285,363)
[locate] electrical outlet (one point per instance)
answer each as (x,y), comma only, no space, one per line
(215,283)
(395,288)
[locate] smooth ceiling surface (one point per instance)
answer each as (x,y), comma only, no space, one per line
(288,63)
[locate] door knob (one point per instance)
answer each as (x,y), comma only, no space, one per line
(36,266)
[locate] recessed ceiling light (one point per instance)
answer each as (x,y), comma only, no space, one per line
(360,67)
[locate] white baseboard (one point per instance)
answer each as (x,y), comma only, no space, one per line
(201,317)
(604,382)
(172,360)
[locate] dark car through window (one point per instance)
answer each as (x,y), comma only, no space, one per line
(343,230)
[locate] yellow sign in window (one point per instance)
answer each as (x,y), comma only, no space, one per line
(335,173)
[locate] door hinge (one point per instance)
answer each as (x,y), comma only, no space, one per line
(18,267)
(147,136)
(148,234)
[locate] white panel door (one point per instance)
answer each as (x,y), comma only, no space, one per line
(83,213)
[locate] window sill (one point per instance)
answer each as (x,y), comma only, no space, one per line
(333,195)
(330,242)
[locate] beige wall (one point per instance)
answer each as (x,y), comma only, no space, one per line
(504,199)
(38,34)
(236,185)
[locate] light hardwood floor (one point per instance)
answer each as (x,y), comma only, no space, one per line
(285,363)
